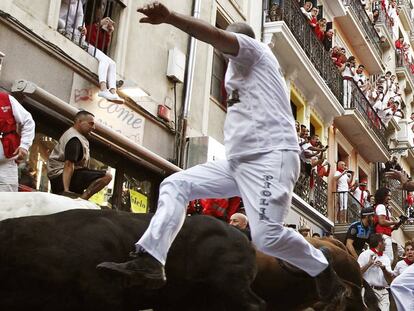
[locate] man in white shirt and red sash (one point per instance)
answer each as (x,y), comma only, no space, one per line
(17,130)
(408,259)
(376,270)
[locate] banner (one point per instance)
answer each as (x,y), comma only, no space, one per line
(139,202)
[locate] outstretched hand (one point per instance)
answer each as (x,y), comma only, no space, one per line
(156,13)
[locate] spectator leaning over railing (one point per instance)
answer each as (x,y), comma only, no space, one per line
(99,34)
(360,78)
(314,17)
(328,39)
(320,29)
(343,178)
(392,164)
(306,9)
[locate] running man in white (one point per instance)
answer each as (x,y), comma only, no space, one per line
(262,163)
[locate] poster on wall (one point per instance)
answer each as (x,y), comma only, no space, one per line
(120,118)
(139,202)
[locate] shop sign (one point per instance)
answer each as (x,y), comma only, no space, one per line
(139,202)
(99,197)
(120,118)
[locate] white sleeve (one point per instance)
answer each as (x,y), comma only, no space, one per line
(25,122)
(250,51)
(362,259)
(79,17)
(380,210)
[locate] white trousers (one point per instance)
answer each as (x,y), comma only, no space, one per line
(388,247)
(343,201)
(106,67)
(9,179)
(383,299)
(347,93)
(402,288)
(264,181)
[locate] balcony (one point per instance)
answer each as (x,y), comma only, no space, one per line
(405,139)
(300,54)
(352,213)
(362,36)
(405,14)
(362,126)
(319,198)
(404,71)
(384,28)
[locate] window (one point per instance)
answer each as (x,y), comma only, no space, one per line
(79,16)
(217,89)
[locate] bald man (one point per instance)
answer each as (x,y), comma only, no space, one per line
(238,220)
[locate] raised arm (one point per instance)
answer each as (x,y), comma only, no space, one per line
(157,13)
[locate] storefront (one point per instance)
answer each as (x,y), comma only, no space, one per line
(135,177)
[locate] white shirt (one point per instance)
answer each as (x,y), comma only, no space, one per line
(400,267)
(374,275)
(357,194)
(262,120)
(25,126)
(381,210)
(342,182)
(348,72)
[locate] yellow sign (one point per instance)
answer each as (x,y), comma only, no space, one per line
(99,197)
(139,202)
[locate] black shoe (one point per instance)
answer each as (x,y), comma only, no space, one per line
(328,284)
(144,270)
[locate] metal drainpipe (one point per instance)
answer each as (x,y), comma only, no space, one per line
(188,88)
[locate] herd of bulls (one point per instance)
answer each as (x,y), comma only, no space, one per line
(48,263)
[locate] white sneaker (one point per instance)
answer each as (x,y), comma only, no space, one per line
(111,97)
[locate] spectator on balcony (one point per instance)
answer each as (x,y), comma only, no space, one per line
(348,73)
(70,21)
(392,164)
(408,259)
(360,78)
(376,270)
(343,178)
(399,43)
(359,232)
(410,204)
(382,220)
(306,9)
(99,34)
(314,17)
(393,18)
(361,193)
(374,16)
(328,39)
(320,29)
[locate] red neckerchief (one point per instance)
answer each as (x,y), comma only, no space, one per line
(377,252)
(408,262)
(340,170)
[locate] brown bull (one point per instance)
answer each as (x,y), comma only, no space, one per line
(284,288)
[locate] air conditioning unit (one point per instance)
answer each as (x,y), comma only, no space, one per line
(203,149)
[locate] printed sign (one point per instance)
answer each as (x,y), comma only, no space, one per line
(120,118)
(99,197)
(139,202)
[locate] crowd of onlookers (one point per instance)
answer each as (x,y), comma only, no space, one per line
(383,94)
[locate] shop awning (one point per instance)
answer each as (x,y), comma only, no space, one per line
(102,133)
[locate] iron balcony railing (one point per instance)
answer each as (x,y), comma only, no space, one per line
(373,121)
(78,15)
(319,198)
(366,23)
(351,212)
(397,195)
(384,20)
(402,62)
(289,12)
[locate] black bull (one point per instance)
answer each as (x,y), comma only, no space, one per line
(48,263)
